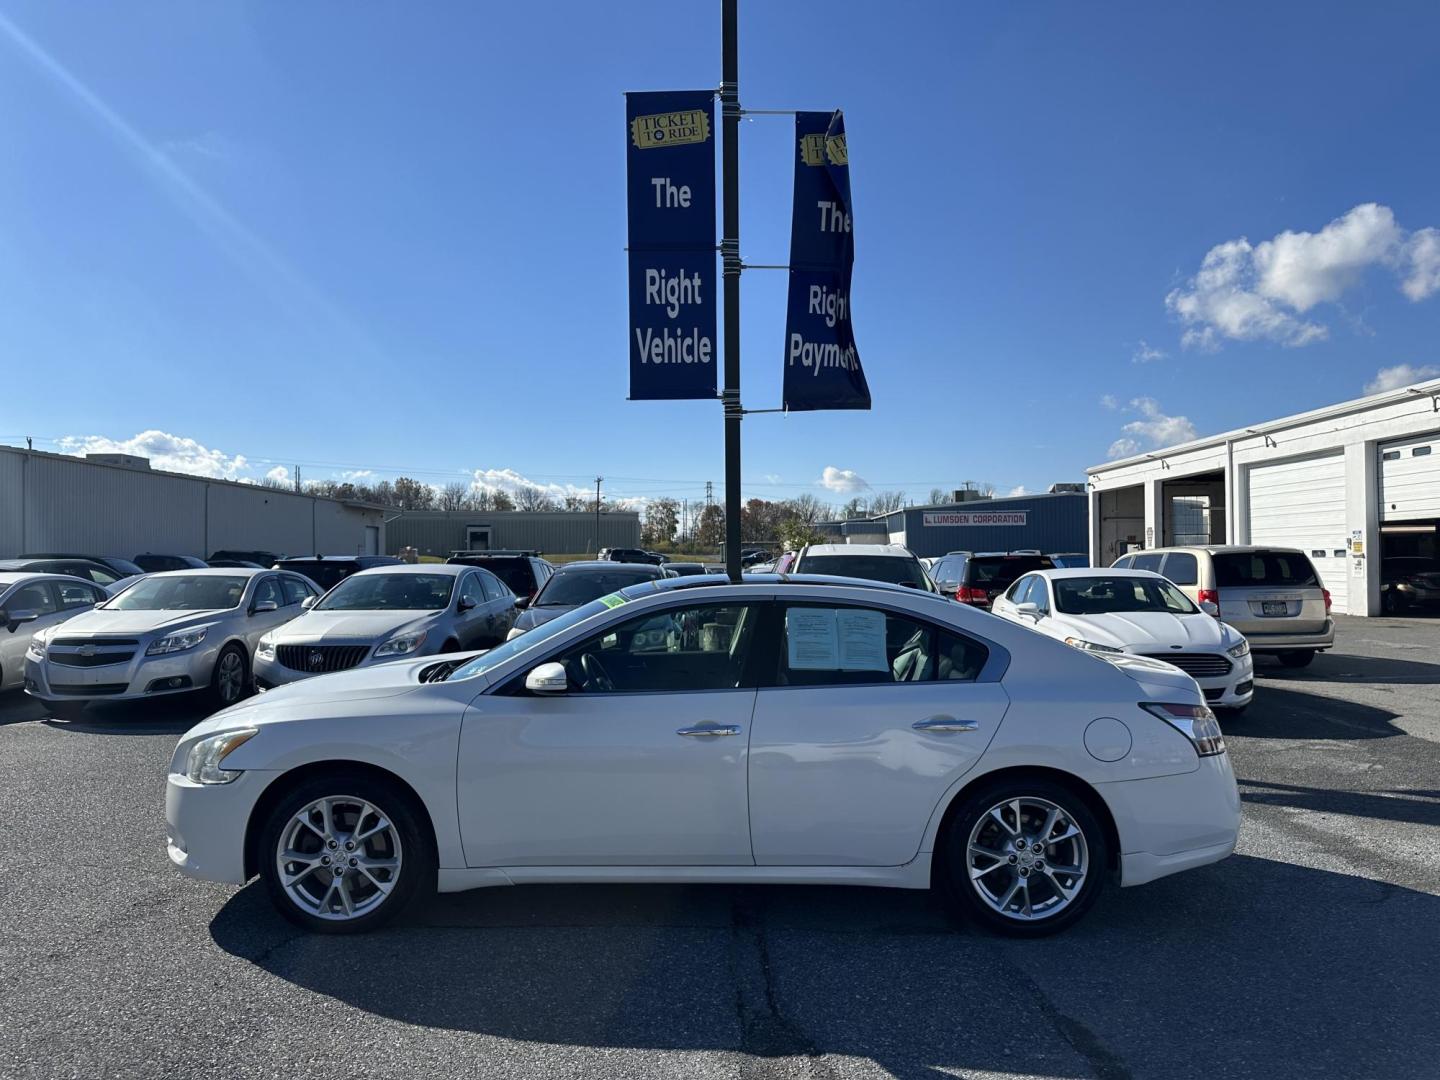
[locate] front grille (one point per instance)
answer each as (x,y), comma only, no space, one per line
(1196,665)
(99,659)
(97,690)
(319,659)
(76,642)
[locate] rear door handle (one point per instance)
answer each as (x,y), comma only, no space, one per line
(945,723)
(710,730)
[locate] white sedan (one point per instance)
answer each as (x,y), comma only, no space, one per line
(1140,613)
(782,730)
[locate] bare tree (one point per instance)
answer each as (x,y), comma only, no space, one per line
(885,502)
(807,509)
(501,500)
(939,496)
(533,500)
(574,504)
(452,496)
(855,508)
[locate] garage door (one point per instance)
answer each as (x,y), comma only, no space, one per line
(1301,504)
(1410,479)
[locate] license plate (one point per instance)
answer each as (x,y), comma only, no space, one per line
(1274,607)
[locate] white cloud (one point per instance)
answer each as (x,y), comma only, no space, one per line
(1153,429)
(1392,378)
(773,478)
(279,475)
(1247,292)
(1019,489)
(510,481)
(351,476)
(1145,352)
(1107,401)
(171,453)
(842,481)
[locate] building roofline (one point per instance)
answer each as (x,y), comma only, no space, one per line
(1372,401)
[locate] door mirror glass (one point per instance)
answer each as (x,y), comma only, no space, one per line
(547,679)
(1209,607)
(1027,608)
(522,602)
(262,606)
(308,602)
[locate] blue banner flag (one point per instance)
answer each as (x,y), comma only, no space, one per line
(822,365)
(670,168)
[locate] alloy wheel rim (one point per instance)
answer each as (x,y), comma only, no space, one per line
(1027,859)
(339,857)
(231,671)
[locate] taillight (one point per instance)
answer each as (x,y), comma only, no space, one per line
(1327,600)
(966,595)
(1212,595)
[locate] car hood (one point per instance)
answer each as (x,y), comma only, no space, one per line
(320,626)
(1144,631)
(532,617)
(112,621)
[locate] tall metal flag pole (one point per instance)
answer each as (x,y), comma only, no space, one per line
(730,259)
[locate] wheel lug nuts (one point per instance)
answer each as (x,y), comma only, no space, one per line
(1012,858)
(331,844)
(1024,872)
(324,860)
(1038,848)
(349,845)
(354,862)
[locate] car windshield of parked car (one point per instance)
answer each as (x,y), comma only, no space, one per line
(1237,570)
(538,636)
(889,568)
(180,592)
(390,592)
(1113,594)
(582,586)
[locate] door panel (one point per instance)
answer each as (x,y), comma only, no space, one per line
(605,780)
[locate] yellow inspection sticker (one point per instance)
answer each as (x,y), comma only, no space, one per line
(613,600)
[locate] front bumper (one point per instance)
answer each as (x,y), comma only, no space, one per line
(140,677)
(1232,691)
(1173,823)
(206,825)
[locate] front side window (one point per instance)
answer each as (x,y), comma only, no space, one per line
(268,589)
(702,647)
(295,590)
(390,592)
(35,597)
(821,645)
(181,592)
(1017,592)
(1111,594)
(495,588)
(78,594)
(472,591)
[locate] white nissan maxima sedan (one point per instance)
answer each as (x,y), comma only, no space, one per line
(1135,611)
(783,730)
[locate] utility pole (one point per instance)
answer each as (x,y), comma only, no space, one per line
(598,479)
(730,260)
(297,478)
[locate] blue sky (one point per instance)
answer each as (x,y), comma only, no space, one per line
(389,236)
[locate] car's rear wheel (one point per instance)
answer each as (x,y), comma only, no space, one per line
(1298,658)
(1023,857)
(345,853)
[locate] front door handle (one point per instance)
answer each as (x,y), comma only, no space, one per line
(710,730)
(945,723)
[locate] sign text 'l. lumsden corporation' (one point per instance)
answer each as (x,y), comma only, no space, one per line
(974,517)
(670,167)
(822,365)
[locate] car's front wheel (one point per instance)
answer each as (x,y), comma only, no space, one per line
(1024,857)
(231,679)
(344,853)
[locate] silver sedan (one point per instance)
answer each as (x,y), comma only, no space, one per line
(169,633)
(389,613)
(31,603)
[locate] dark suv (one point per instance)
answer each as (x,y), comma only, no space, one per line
(523,572)
(631,555)
(327,571)
(978,579)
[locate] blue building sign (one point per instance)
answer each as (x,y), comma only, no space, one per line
(670,167)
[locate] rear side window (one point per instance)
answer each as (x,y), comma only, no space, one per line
(1259,568)
(1181,568)
(515,573)
(844,646)
(1149,562)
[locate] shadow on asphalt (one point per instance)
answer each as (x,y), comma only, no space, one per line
(1294,714)
(172,715)
(1419,807)
(1346,667)
(1230,969)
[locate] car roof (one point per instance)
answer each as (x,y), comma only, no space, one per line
(1220,549)
(769,581)
(448,569)
(897,551)
(15,577)
(1094,571)
(595,566)
(211,571)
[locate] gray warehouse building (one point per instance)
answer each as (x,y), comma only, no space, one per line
(115,504)
(439,532)
(1049,523)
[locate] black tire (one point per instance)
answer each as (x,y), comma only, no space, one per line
(414,878)
(1297,659)
(221,688)
(963,894)
(65,710)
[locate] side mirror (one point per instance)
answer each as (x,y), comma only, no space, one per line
(308,602)
(1032,610)
(522,602)
(13,619)
(464,604)
(547,679)
(1209,607)
(260,607)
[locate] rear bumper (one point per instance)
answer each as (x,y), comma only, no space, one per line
(1172,823)
(1284,642)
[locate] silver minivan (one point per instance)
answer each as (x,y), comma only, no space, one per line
(1272,595)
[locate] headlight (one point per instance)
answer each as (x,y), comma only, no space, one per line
(36,651)
(265,650)
(1196,722)
(1237,651)
(515,632)
(402,645)
(1090,646)
(185,639)
(202,765)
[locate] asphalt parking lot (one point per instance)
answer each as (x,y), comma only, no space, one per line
(1314,951)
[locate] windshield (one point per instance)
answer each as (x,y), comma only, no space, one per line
(181,592)
(1107,595)
(582,586)
(890,568)
(390,592)
(538,636)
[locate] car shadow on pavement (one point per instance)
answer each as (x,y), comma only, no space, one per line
(1195,975)
(1294,714)
(172,715)
(1348,667)
(17,708)
(1419,807)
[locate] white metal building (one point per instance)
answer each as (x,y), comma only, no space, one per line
(1352,484)
(118,505)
